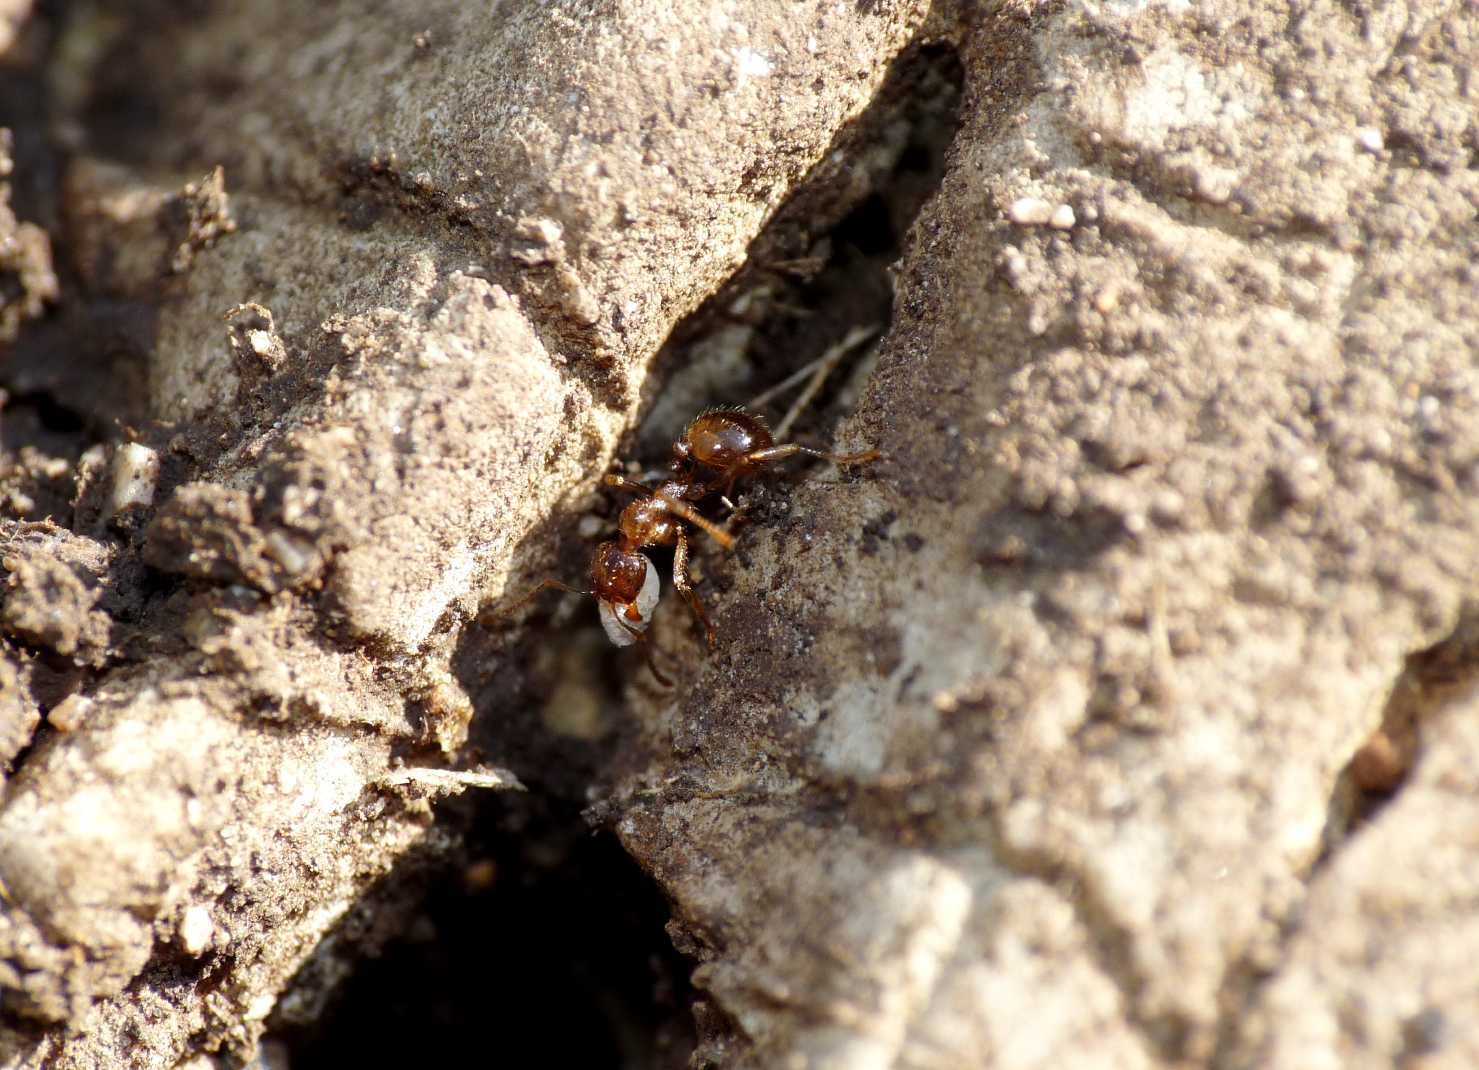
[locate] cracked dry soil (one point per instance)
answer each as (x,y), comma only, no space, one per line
(1122,715)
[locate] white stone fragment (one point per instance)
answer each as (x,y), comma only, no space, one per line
(547,231)
(1062,217)
(294,554)
(1030,212)
(752,64)
(68,714)
(454,781)
(260,1007)
(196,929)
(135,476)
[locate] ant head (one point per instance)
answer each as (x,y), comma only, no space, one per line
(722,438)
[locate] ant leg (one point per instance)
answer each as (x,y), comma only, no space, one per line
(790,449)
(724,482)
(677,508)
(622,483)
(698,520)
(545,585)
(680,581)
(641,640)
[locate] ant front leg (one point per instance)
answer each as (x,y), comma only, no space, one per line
(698,520)
(680,581)
(622,483)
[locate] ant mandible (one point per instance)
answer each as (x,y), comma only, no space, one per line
(719,447)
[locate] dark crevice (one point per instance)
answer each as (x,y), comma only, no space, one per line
(1370,781)
(822,266)
(1380,767)
(47,415)
(534,944)
(541,941)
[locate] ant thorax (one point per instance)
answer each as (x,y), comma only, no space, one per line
(625,621)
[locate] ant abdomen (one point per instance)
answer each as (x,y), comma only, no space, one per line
(618,574)
(626,589)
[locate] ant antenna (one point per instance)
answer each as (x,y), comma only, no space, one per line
(818,369)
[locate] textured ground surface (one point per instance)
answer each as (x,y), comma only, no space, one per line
(1122,715)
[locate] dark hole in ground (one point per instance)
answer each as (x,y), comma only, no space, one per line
(1382,765)
(46,413)
(544,946)
(10,287)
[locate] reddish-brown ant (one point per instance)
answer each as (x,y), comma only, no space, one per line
(719,447)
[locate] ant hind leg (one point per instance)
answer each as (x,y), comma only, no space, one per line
(529,596)
(642,641)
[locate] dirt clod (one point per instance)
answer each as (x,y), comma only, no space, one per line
(27,278)
(206,531)
(50,601)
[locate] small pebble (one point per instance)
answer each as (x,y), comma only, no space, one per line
(68,714)
(1030,212)
(260,1007)
(196,929)
(135,476)
(294,554)
(1379,766)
